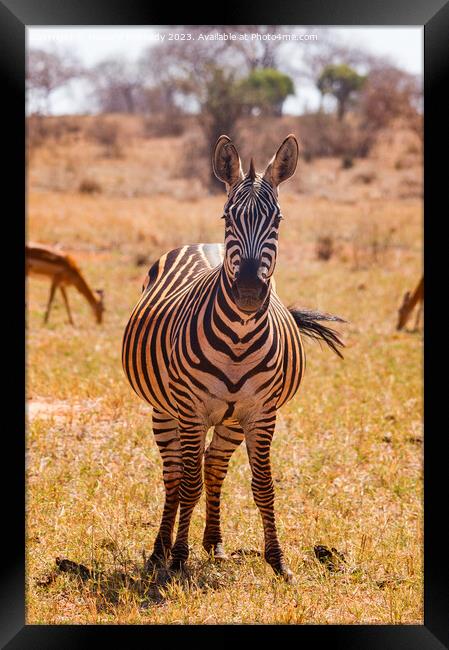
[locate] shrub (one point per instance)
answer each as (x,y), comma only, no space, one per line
(323,135)
(107,134)
(365,177)
(89,186)
(390,93)
(163,125)
(324,248)
(42,128)
(141,259)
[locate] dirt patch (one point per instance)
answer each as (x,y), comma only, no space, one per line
(59,410)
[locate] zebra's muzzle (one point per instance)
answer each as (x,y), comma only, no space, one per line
(249,291)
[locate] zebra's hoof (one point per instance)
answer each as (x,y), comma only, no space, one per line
(178,566)
(154,562)
(217,552)
(288,576)
(284,572)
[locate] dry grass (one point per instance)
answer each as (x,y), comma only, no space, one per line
(347,454)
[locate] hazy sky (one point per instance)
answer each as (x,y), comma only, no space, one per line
(403,45)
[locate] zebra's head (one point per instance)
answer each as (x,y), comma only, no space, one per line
(252,217)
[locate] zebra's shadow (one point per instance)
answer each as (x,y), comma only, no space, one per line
(108,587)
(149,586)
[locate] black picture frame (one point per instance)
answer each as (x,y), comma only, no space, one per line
(433,15)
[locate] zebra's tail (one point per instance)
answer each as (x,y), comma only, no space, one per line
(308,324)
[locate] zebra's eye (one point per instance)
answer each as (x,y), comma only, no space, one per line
(277,220)
(228,220)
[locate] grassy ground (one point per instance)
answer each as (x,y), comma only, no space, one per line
(347,453)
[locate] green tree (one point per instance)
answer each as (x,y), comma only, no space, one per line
(341,81)
(221,105)
(266,89)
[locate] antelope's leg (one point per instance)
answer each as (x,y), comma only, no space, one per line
(224,442)
(166,433)
(66,302)
(258,436)
(192,433)
(54,286)
(418,315)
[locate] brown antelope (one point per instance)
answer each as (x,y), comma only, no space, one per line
(408,303)
(63,271)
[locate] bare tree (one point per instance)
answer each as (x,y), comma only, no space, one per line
(163,73)
(47,71)
(390,93)
(117,85)
(330,50)
(194,80)
(257,53)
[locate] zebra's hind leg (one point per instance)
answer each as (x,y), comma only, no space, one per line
(258,441)
(166,433)
(224,442)
(192,434)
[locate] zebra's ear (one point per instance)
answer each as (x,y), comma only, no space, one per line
(283,163)
(226,162)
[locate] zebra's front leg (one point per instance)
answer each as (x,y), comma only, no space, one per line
(192,436)
(258,437)
(166,434)
(224,442)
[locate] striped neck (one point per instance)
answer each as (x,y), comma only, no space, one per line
(232,335)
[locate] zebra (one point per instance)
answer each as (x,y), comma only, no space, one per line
(210,344)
